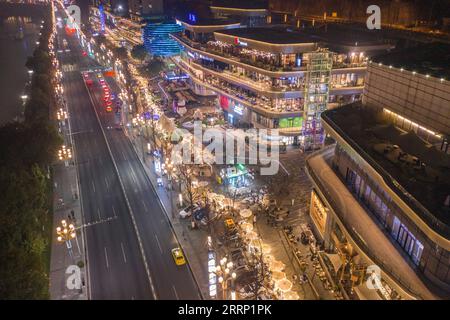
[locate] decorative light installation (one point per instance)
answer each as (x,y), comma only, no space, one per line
(157,38)
(102,18)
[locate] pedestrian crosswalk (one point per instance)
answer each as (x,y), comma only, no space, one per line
(69,67)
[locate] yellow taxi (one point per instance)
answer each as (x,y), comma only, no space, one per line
(178,256)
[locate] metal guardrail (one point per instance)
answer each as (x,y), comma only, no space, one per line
(356,238)
(437,225)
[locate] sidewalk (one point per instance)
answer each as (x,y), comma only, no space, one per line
(66,200)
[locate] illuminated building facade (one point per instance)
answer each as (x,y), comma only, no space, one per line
(260,76)
(381,195)
(157,38)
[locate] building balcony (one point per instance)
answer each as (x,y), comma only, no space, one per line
(261,68)
(265,89)
(254,103)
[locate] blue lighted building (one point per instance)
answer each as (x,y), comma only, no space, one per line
(157,39)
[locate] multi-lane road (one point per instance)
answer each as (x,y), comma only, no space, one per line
(128,236)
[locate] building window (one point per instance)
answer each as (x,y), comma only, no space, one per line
(407,241)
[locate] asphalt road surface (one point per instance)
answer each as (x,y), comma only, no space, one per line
(115,264)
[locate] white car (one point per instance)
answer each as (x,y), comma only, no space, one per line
(187,212)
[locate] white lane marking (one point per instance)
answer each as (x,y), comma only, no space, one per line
(157,241)
(123,155)
(106,258)
(123,252)
(106,182)
(145,206)
(133,176)
(114,212)
(98,213)
(175,290)
(93,185)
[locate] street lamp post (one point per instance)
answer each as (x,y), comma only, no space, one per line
(65,233)
(225,273)
(65,154)
(61,115)
(30,73)
(24,98)
(170,170)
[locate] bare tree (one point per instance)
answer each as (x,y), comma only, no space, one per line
(186,179)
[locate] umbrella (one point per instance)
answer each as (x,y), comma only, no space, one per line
(284,285)
(278,275)
(218,197)
(276,265)
(252,235)
(266,248)
(246,213)
(227,202)
(203,184)
(291,295)
(247,227)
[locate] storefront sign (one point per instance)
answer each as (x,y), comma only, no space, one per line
(212,273)
(238,109)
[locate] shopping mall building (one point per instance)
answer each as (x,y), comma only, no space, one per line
(381,193)
(272,77)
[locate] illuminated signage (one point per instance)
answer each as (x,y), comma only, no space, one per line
(192,17)
(238,41)
(238,109)
(212,273)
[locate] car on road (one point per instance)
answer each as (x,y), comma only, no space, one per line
(108,109)
(108,103)
(187,212)
(99,75)
(178,256)
(89,82)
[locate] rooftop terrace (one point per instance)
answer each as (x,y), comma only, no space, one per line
(431,58)
(415,170)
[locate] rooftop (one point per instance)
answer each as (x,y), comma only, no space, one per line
(430,58)
(239,4)
(337,35)
(270,35)
(199,21)
(421,171)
